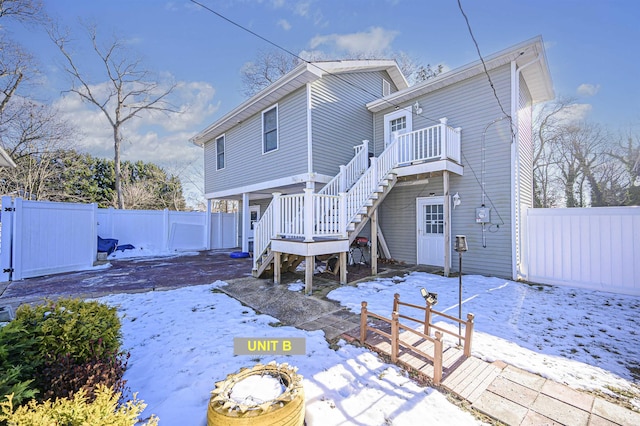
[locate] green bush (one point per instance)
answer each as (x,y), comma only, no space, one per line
(77,411)
(71,326)
(85,335)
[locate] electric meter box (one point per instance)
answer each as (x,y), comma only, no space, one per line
(483,215)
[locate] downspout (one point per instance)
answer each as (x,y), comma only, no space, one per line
(309,140)
(515,161)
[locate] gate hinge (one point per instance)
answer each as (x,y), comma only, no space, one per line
(9,209)
(8,270)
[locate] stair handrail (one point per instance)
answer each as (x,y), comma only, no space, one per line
(365,186)
(262,234)
(349,173)
(445,137)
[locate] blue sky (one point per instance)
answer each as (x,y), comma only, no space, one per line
(592,50)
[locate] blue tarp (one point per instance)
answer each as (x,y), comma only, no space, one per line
(107,245)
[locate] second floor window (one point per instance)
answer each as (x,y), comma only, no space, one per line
(270,130)
(220,153)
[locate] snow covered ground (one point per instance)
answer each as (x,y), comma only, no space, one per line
(181,343)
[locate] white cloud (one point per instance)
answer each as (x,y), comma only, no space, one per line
(587,89)
(575,112)
(375,40)
(154,137)
(284,24)
(302,8)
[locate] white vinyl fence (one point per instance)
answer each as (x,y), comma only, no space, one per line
(596,248)
(40,238)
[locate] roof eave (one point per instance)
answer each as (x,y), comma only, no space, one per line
(304,73)
(521,52)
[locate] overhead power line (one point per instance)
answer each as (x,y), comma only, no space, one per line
(484,65)
(276,45)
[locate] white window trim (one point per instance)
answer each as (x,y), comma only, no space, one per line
(277,129)
(394,115)
(224,142)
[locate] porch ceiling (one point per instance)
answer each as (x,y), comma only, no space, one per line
(287,185)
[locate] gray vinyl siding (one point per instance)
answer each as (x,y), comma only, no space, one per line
(471,105)
(397,218)
(245,164)
(340,119)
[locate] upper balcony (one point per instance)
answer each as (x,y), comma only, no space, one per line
(431,149)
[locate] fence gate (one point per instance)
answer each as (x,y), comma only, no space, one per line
(41,238)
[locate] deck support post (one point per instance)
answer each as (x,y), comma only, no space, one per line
(309,267)
(343,267)
(447,223)
(309,220)
(246,221)
(373,250)
(277,263)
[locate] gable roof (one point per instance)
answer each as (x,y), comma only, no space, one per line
(529,54)
(293,80)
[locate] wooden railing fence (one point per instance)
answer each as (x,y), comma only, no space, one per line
(397,328)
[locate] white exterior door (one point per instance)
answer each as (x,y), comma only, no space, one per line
(430,227)
(254,216)
(396,123)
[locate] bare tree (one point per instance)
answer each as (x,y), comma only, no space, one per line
(130,89)
(577,162)
(26,11)
(16,65)
(546,156)
(627,153)
(35,137)
(270,65)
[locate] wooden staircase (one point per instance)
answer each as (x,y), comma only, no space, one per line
(339,211)
(289,263)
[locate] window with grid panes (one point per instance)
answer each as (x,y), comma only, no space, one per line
(220,153)
(434,219)
(398,124)
(270,130)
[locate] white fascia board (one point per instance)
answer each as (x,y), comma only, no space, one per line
(388,65)
(522,52)
(270,186)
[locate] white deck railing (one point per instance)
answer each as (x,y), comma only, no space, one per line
(439,142)
(328,212)
(350,173)
(308,216)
